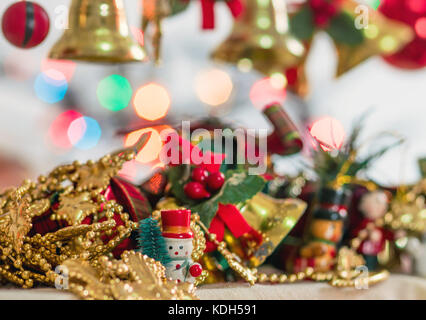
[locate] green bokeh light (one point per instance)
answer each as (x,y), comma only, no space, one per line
(114,92)
(375,4)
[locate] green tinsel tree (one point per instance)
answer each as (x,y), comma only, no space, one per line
(151,242)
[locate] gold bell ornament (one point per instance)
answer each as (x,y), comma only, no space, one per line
(358,32)
(98,32)
(260,40)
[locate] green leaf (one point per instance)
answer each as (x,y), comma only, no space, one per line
(178,176)
(238,187)
(301,24)
(177,6)
(342,29)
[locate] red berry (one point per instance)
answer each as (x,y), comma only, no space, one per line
(317,4)
(216,180)
(331,10)
(195,270)
(195,190)
(321,20)
(199,174)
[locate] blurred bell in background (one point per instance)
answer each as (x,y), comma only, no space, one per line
(67,97)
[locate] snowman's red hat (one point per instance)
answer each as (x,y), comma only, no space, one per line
(176,223)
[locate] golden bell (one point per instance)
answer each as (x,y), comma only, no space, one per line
(274,218)
(97,32)
(260,39)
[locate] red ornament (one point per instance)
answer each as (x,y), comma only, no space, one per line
(216,180)
(413,13)
(25,24)
(195,270)
(195,190)
(199,174)
(324,10)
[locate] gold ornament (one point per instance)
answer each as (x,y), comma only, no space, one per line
(154,11)
(16,223)
(134,277)
(408,210)
(274,218)
(97,31)
(26,259)
(74,208)
(382,36)
(260,40)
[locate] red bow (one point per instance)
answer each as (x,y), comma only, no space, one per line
(229,215)
(207,7)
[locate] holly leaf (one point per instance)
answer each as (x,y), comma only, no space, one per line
(239,187)
(342,29)
(302,25)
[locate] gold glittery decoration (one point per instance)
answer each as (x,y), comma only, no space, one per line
(408,209)
(134,277)
(154,11)
(27,258)
(74,208)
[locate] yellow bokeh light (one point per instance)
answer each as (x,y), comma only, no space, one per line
(213,87)
(245,65)
(388,43)
(151,102)
(278,80)
(372,31)
(266,41)
(151,151)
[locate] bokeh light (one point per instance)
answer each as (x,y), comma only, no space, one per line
(420,27)
(51,86)
(151,102)
(137,34)
(84,133)
(213,87)
(58,130)
(129,170)
(418,6)
(374,3)
(152,148)
(329,133)
(65,67)
(268,90)
(245,65)
(114,92)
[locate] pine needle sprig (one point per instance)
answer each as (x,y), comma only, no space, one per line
(151,241)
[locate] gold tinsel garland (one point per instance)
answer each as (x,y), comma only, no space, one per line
(27,258)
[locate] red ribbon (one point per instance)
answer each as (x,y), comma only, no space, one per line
(228,215)
(207,8)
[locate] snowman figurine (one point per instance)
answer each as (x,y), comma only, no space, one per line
(178,237)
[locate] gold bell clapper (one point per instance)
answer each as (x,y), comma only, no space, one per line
(260,39)
(98,32)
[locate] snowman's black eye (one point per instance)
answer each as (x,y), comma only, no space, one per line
(181,247)
(170,248)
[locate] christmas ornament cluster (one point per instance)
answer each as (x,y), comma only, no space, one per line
(160,239)
(267,37)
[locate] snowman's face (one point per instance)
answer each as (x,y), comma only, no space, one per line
(179,248)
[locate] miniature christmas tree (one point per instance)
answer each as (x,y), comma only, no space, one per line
(151,242)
